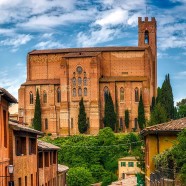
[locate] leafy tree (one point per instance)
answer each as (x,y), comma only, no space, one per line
(79,176)
(153,103)
(127,118)
(141,114)
(37,113)
(166,97)
(159,115)
(110,115)
(82,121)
(158,95)
(181,108)
(108,178)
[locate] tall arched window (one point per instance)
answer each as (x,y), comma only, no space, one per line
(79,81)
(121,94)
(85,81)
(85,91)
(136,94)
(74,81)
(58,95)
(31,98)
(46,123)
(44,97)
(106,92)
(146,37)
(79,92)
(74,92)
(136,123)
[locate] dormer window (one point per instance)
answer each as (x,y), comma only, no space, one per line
(146,37)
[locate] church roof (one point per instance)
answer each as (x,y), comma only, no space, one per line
(173,126)
(4,93)
(81,54)
(88,49)
(42,82)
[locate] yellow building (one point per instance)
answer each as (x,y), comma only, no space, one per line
(158,138)
(128,167)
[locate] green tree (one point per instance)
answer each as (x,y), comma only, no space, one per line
(159,115)
(109,113)
(153,103)
(141,114)
(166,97)
(79,176)
(181,108)
(37,113)
(127,118)
(82,121)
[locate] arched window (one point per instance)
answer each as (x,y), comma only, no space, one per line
(136,94)
(85,91)
(79,92)
(146,37)
(46,123)
(74,92)
(58,95)
(106,92)
(136,123)
(85,81)
(31,98)
(79,81)
(121,94)
(74,81)
(44,97)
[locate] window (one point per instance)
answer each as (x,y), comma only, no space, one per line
(20,145)
(74,81)
(72,123)
(79,92)
(136,123)
(46,124)
(58,95)
(51,158)
(138,164)
(106,92)
(85,81)
(130,164)
(121,123)
(44,97)
(79,70)
(55,157)
(32,146)
(79,81)
(123,175)
(121,94)
(19,181)
(25,180)
(46,159)
(146,37)
(32,183)
(123,164)
(5,125)
(40,160)
(31,98)
(136,94)
(74,92)
(85,91)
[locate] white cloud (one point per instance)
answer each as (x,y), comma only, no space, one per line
(180,75)
(49,45)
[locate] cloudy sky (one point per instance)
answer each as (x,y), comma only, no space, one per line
(43,24)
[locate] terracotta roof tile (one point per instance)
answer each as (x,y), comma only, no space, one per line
(81,54)
(62,168)
(4,93)
(171,126)
(42,145)
(42,82)
(90,49)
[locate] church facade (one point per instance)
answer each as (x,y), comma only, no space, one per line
(64,76)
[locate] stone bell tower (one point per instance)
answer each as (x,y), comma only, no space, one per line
(147,37)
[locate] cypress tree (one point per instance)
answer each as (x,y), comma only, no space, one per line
(127,118)
(153,104)
(110,115)
(141,114)
(37,113)
(166,97)
(82,121)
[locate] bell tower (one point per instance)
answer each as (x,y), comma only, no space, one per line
(147,37)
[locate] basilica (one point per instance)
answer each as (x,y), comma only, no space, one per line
(64,76)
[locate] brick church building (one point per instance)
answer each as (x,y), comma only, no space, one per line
(63,76)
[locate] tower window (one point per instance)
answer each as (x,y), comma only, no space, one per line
(74,92)
(31,98)
(58,95)
(44,97)
(121,94)
(85,81)
(74,81)
(79,92)
(46,123)
(146,37)
(136,94)
(79,80)
(85,91)
(136,123)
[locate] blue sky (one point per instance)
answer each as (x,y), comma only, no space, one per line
(43,24)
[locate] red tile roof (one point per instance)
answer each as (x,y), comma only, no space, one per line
(90,49)
(6,95)
(42,145)
(43,82)
(172,126)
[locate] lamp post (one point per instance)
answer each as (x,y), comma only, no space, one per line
(11,171)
